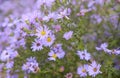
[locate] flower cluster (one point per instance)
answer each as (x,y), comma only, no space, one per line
(46,31)
(31,65)
(56,52)
(93,69)
(45,37)
(105,49)
(8,56)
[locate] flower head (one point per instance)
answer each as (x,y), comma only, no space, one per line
(52,55)
(56,52)
(69,75)
(44,2)
(31,65)
(84,55)
(42,32)
(8,54)
(37,45)
(9,64)
(68,35)
(94,69)
(114,51)
(57,28)
(49,40)
(82,70)
(64,13)
(102,46)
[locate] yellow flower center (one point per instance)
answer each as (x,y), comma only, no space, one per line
(83,70)
(49,39)
(43,33)
(54,55)
(95,69)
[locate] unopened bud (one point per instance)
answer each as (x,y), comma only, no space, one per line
(61,69)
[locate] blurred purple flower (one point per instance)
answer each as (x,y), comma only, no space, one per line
(31,65)
(84,55)
(68,35)
(82,70)
(94,69)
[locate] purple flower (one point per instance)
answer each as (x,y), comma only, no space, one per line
(105,49)
(103,46)
(15,76)
(82,70)
(32,16)
(42,32)
(91,3)
(68,35)
(83,12)
(49,40)
(57,28)
(52,55)
(37,45)
(94,69)
(84,55)
(114,51)
(69,75)
(1,67)
(31,65)
(56,52)
(8,54)
(96,19)
(64,13)
(44,2)
(9,64)
(100,2)
(50,16)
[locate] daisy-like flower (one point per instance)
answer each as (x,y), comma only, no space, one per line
(102,47)
(9,64)
(57,28)
(30,17)
(44,2)
(52,55)
(69,75)
(37,45)
(58,49)
(82,70)
(49,40)
(94,69)
(31,65)
(83,12)
(8,54)
(84,55)
(64,13)
(42,32)
(60,53)
(117,51)
(52,15)
(68,35)
(4,56)
(56,52)
(114,51)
